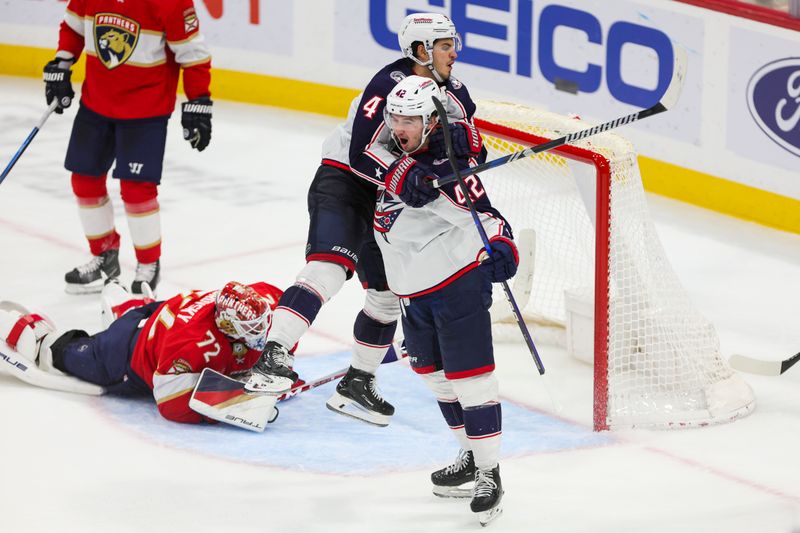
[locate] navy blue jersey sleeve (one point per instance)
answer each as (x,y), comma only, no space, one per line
(369,157)
(460,106)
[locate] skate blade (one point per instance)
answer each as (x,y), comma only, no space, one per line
(452,492)
(74,288)
(268,384)
(486,517)
(347,407)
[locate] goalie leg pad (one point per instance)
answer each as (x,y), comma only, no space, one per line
(22,330)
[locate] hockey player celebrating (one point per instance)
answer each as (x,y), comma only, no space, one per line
(433,263)
(134,51)
(341,203)
(150,347)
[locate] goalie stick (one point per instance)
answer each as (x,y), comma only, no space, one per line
(28,140)
(765,368)
(225,399)
(667,102)
(448,142)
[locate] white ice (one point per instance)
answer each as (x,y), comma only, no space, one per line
(237,211)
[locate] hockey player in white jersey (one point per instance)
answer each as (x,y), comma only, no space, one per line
(435,264)
(341,203)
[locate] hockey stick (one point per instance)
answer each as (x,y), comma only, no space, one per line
(225,399)
(667,102)
(765,368)
(27,141)
(523,279)
(448,142)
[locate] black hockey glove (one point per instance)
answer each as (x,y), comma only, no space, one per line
(467,141)
(502,264)
(408,179)
(196,122)
(57,84)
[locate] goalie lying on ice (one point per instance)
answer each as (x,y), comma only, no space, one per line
(148,347)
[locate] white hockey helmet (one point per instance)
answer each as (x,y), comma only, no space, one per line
(413,97)
(243,314)
(426,28)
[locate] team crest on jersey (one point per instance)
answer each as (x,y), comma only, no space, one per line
(455,83)
(239,352)
(397,76)
(115,37)
(181,366)
(190,23)
(387,210)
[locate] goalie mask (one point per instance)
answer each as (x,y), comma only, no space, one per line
(413,97)
(243,315)
(426,28)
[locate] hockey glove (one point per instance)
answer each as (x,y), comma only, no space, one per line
(57,84)
(196,122)
(502,264)
(467,141)
(408,179)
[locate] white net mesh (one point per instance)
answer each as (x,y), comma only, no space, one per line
(664,365)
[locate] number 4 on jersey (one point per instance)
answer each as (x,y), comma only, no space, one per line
(371,107)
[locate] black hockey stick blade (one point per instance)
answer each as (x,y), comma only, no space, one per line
(668,101)
(448,143)
(764,368)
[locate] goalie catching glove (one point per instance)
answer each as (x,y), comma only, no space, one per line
(502,264)
(409,179)
(196,122)
(58,86)
(467,141)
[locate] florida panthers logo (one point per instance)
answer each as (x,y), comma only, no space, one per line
(387,209)
(115,38)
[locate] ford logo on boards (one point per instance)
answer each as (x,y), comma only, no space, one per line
(773,96)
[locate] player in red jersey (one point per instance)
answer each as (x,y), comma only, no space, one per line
(134,52)
(153,347)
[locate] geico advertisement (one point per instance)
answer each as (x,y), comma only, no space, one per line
(257,25)
(764,102)
(607,58)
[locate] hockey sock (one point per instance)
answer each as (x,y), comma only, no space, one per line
(296,311)
(144,218)
(372,338)
(454,416)
(483,425)
(96,212)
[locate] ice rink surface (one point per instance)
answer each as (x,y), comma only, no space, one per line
(237,211)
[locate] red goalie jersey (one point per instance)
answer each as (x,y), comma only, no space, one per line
(134,50)
(181,339)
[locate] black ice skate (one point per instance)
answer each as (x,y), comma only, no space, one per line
(92,276)
(149,273)
(448,482)
(357,389)
(272,373)
(488,493)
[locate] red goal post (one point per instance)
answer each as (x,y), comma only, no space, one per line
(656,359)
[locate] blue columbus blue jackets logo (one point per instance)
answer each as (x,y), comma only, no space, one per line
(115,37)
(773,96)
(387,209)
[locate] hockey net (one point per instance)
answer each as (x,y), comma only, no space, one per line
(657,361)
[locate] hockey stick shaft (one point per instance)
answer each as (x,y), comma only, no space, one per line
(448,142)
(330,377)
(28,141)
(668,101)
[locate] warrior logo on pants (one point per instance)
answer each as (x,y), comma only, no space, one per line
(115,38)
